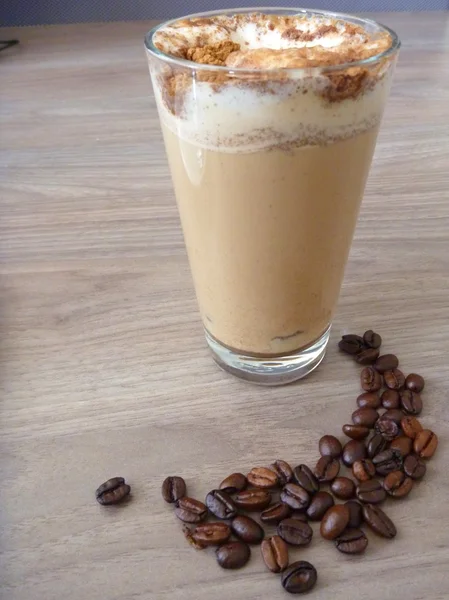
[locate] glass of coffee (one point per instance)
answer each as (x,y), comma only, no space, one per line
(270,119)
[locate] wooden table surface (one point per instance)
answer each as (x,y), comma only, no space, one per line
(104,368)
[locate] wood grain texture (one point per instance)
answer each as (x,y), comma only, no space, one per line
(104,368)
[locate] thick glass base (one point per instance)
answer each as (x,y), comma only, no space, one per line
(273,370)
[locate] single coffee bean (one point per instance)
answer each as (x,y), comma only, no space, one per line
(188,534)
(370,379)
(295,532)
(306,479)
(363,469)
(372,339)
(411,402)
(275,554)
(402,444)
(425,443)
(190,510)
(376,444)
(352,451)
(387,428)
(394,379)
(397,484)
(386,362)
(378,521)
(355,432)
(414,467)
(295,497)
(355,513)
(390,399)
(253,500)
(414,382)
(352,541)
(411,426)
(299,577)
(233,555)
(283,471)
(367,356)
(394,414)
(211,534)
(371,492)
(327,469)
(262,477)
(236,482)
(329,445)
(343,488)
(369,400)
(247,530)
(365,416)
(112,491)
(387,461)
(334,521)
(221,504)
(351,344)
(173,488)
(318,506)
(276,513)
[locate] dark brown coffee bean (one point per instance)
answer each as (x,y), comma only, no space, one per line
(318,506)
(253,500)
(414,467)
(247,530)
(367,356)
(365,416)
(386,362)
(221,504)
(306,479)
(275,554)
(390,399)
(368,400)
(387,428)
(397,484)
(394,379)
(233,555)
(372,339)
(394,414)
(236,482)
(363,469)
(283,471)
(188,534)
(261,477)
(378,521)
(351,344)
(190,510)
(376,444)
(387,461)
(295,532)
(371,492)
(343,488)
(352,541)
(355,513)
(112,491)
(411,426)
(299,577)
(295,497)
(276,513)
(173,488)
(414,382)
(330,446)
(370,380)
(411,402)
(334,521)
(352,451)
(425,443)
(211,534)
(355,432)
(402,444)
(327,469)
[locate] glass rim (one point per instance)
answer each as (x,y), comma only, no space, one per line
(182,62)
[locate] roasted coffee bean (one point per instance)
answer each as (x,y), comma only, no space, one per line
(247,530)
(112,491)
(211,534)
(411,426)
(387,428)
(414,467)
(221,504)
(253,500)
(299,577)
(329,445)
(192,541)
(283,471)
(306,479)
(386,362)
(352,541)
(190,510)
(371,492)
(327,469)
(394,379)
(351,344)
(343,488)
(411,402)
(295,497)
(355,513)
(394,414)
(387,461)
(262,477)
(378,521)
(425,443)
(390,399)
(276,513)
(355,432)
(397,484)
(402,444)
(233,555)
(369,400)
(173,489)
(275,554)
(414,382)
(295,532)
(367,356)
(236,482)
(363,469)
(372,339)
(352,451)
(376,444)
(318,506)
(365,416)
(334,521)
(370,380)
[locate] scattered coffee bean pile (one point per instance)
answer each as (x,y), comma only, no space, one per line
(384,454)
